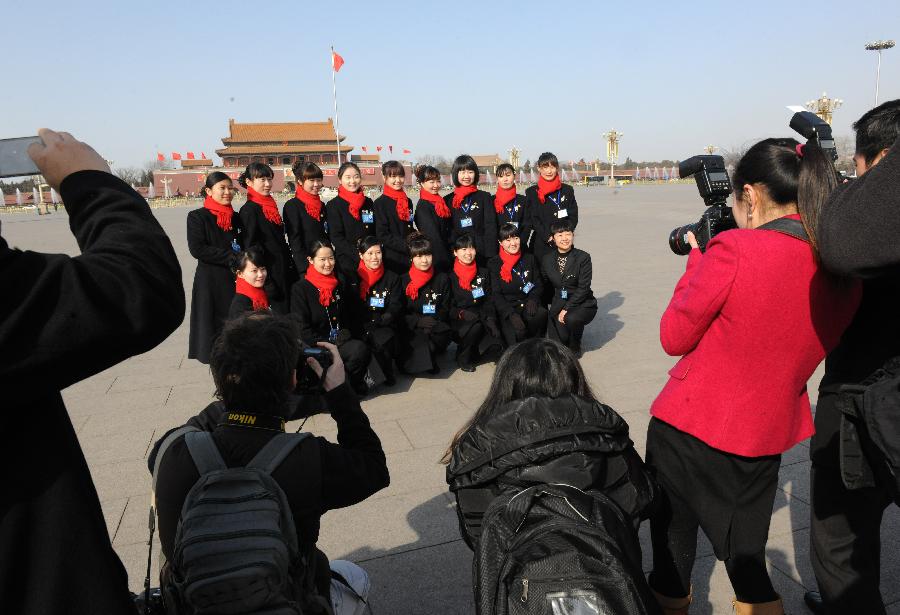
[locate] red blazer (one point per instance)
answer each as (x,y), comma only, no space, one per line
(753,316)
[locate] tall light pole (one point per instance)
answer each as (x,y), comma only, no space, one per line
(710,149)
(612,153)
(514,158)
(878,46)
(824,107)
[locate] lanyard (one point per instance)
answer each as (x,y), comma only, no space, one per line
(466,205)
(521,274)
(558,200)
(515,208)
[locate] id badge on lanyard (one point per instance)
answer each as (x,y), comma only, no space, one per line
(368,217)
(466,207)
(561,212)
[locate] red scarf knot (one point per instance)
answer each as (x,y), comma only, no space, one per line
(368,277)
(256,295)
(547,187)
(417,279)
(222,213)
(440,207)
(355,199)
(268,204)
(465,273)
(402,202)
(312,202)
(324,283)
(504,196)
(460,193)
(509,261)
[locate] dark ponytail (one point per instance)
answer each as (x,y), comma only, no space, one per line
(791,173)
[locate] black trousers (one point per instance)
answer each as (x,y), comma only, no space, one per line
(423,346)
(467,339)
(570,332)
(535,326)
(728,496)
(845,529)
(382,342)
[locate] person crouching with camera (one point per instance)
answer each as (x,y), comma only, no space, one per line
(752,316)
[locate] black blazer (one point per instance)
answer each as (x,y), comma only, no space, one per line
(240,304)
(344,230)
(437,230)
(466,300)
(558,205)
(436,293)
(302,230)
(511,296)
(385,297)
(270,237)
(518,213)
(316,320)
(484,221)
(575,281)
(392,231)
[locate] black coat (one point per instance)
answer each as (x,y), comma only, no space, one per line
(213,280)
(483,222)
(240,304)
(64,319)
(380,312)
(270,237)
(543,215)
(509,296)
(302,230)
(392,232)
(437,230)
(575,280)
(345,231)
(436,292)
(316,321)
(569,440)
(518,213)
(465,300)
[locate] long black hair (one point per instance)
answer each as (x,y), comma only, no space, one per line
(792,174)
(537,367)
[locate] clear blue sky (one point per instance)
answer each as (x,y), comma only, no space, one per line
(442,78)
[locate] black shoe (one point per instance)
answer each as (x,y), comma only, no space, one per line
(814,602)
(467,368)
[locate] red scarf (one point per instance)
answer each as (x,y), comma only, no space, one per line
(509,261)
(546,187)
(440,207)
(312,202)
(465,273)
(417,279)
(356,200)
(222,213)
(504,196)
(368,277)
(325,283)
(268,204)
(402,202)
(256,295)
(460,193)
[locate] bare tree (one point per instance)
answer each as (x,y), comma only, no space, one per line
(440,163)
(845,150)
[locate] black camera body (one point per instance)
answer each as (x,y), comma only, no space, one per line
(714,185)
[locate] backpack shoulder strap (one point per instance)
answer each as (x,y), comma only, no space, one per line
(203,451)
(275,450)
(164,446)
(786,226)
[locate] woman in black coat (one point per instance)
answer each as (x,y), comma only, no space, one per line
(518,286)
(394,217)
(509,206)
(350,216)
(472,210)
(568,270)
(472,317)
(322,303)
(381,305)
(548,202)
(250,282)
(213,236)
(304,215)
(433,217)
(426,310)
(264,227)
(540,400)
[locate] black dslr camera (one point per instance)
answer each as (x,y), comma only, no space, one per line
(715,186)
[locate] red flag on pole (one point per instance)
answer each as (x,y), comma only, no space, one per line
(391,148)
(204,155)
(336,61)
(365,149)
(176,156)
(160,157)
(406,151)
(190,156)
(378,148)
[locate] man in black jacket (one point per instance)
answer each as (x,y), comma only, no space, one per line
(63,319)
(254,368)
(859,229)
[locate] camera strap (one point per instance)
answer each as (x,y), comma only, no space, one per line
(786,226)
(253,421)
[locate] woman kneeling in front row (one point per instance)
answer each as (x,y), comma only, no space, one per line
(472,315)
(516,282)
(321,302)
(381,303)
(427,309)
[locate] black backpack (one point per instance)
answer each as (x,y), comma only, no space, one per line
(558,550)
(236,547)
(870,430)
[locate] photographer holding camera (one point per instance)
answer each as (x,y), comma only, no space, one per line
(254,365)
(62,320)
(859,234)
(752,316)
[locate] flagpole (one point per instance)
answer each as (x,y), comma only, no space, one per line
(337,134)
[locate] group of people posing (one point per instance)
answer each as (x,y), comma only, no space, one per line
(387,281)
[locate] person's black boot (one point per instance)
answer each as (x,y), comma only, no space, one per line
(814,602)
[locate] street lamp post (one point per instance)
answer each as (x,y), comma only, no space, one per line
(514,158)
(878,46)
(824,107)
(710,149)
(612,153)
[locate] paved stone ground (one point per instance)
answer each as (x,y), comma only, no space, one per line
(407,535)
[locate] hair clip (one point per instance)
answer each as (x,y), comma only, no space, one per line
(799,149)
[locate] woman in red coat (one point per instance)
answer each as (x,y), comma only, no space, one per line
(752,316)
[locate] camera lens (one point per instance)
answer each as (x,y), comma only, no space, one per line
(678,240)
